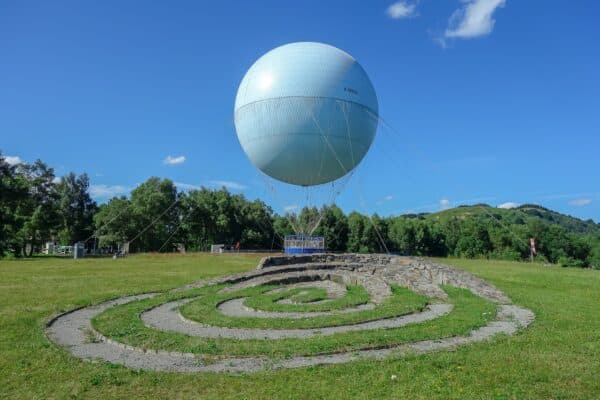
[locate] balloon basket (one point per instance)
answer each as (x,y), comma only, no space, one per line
(304,244)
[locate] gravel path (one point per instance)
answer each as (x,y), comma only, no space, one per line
(166,318)
(334,291)
(377,288)
(236,308)
(73,330)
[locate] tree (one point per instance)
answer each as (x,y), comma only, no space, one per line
(474,240)
(38,212)
(76,208)
(375,237)
(155,214)
(115,222)
(356,228)
(308,220)
(402,235)
(334,227)
(283,227)
(255,218)
(417,237)
(13,190)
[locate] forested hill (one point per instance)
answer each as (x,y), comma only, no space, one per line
(518,216)
(484,231)
(572,224)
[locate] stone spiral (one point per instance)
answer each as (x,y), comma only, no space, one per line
(282,314)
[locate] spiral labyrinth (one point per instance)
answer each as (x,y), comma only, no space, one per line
(294,311)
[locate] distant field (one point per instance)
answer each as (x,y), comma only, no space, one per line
(558,357)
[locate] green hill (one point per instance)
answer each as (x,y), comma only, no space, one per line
(484,231)
(517,216)
(572,224)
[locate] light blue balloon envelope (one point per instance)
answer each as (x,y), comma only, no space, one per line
(306,113)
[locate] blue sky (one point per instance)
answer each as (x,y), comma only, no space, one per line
(484,100)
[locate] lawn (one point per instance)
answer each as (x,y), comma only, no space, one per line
(558,357)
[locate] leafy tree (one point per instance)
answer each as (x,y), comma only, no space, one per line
(308,220)
(255,219)
(594,256)
(217,216)
(474,240)
(402,235)
(76,208)
(38,212)
(282,227)
(13,190)
(115,222)
(356,228)
(334,227)
(416,237)
(155,214)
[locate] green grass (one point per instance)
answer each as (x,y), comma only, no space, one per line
(308,295)
(558,357)
(123,324)
(354,296)
(204,310)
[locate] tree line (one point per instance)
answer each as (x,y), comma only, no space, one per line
(36,207)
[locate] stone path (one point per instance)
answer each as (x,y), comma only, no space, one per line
(236,308)
(166,318)
(73,330)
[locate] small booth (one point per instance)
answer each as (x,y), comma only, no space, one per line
(79,250)
(217,248)
(304,244)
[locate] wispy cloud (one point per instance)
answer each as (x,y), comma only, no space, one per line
(402,9)
(557,196)
(170,160)
(508,204)
(228,184)
(389,197)
(57,179)
(13,160)
(580,202)
(187,186)
(106,191)
(473,19)
(290,208)
(444,204)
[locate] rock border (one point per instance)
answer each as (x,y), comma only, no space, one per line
(73,330)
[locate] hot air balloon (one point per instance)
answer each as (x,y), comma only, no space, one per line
(306,113)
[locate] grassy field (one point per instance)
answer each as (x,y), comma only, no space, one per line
(124,325)
(558,357)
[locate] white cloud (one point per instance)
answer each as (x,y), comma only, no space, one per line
(186,186)
(580,202)
(473,19)
(106,191)
(228,184)
(290,208)
(444,204)
(508,204)
(170,160)
(389,197)
(57,179)
(13,160)
(402,9)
